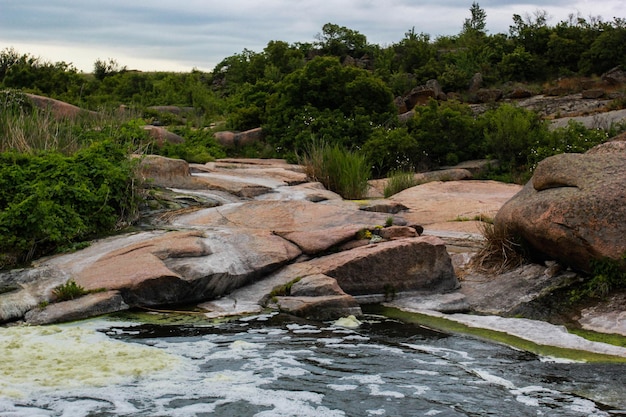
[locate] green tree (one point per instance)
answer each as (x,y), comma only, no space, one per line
(335,103)
(340,41)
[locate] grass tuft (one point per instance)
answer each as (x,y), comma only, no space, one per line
(502,252)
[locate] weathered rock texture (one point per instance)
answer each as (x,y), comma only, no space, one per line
(573,209)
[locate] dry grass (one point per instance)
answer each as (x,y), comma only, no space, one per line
(502,252)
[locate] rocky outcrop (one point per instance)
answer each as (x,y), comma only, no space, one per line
(235,139)
(162,136)
(57,108)
(573,209)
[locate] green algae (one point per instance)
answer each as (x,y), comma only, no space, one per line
(449,326)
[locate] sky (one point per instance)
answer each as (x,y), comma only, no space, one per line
(165,35)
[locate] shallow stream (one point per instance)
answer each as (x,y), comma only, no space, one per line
(275,365)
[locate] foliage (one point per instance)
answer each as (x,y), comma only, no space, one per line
(199,146)
(607,275)
(344,172)
(69,291)
(391,150)
(325,99)
(446,133)
(511,133)
(573,138)
(48,200)
(398,181)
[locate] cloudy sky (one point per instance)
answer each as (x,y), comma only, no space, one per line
(186,34)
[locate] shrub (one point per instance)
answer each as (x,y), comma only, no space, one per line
(390,150)
(342,171)
(69,291)
(48,200)
(501,251)
(199,146)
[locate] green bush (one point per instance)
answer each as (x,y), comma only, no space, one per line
(390,150)
(69,291)
(344,172)
(199,146)
(48,200)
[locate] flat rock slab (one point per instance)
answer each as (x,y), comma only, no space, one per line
(535,331)
(90,305)
(448,205)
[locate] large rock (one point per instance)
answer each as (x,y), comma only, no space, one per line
(312,227)
(573,209)
(58,109)
(236,139)
(87,306)
(412,264)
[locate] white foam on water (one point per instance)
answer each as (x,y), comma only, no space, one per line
(342,387)
(493,379)
(53,357)
(419,389)
(376,391)
(439,351)
(433,412)
(379,412)
(422,372)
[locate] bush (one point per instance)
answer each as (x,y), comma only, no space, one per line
(199,146)
(69,291)
(344,172)
(390,150)
(48,200)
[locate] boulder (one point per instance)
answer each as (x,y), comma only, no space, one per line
(162,171)
(475,83)
(397,232)
(573,209)
(488,95)
(313,227)
(328,307)
(237,139)
(412,264)
(59,109)
(615,76)
(420,95)
(90,305)
(593,93)
(316,285)
(162,135)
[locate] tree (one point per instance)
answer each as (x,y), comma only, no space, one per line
(478,21)
(102,69)
(340,41)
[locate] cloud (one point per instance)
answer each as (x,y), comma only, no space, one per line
(200,33)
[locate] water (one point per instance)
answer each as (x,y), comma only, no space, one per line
(275,365)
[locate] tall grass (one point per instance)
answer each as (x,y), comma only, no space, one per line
(398,181)
(342,171)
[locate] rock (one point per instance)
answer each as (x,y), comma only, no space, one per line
(57,108)
(237,139)
(519,93)
(329,307)
(573,209)
(309,191)
(454,302)
(615,76)
(413,264)
(397,232)
(383,206)
(313,227)
(475,83)
(405,117)
(400,105)
(594,93)
(377,187)
(420,95)
(440,205)
(162,171)
(162,135)
(475,168)
(316,285)
(485,95)
(186,266)
(434,85)
(90,305)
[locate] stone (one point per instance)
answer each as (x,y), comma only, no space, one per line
(163,171)
(593,93)
(58,109)
(412,264)
(316,285)
(475,83)
(329,307)
(397,232)
(615,76)
(162,135)
(440,205)
(238,139)
(383,206)
(519,93)
(573,209)
(491,95)
(90,305)
(314,227)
